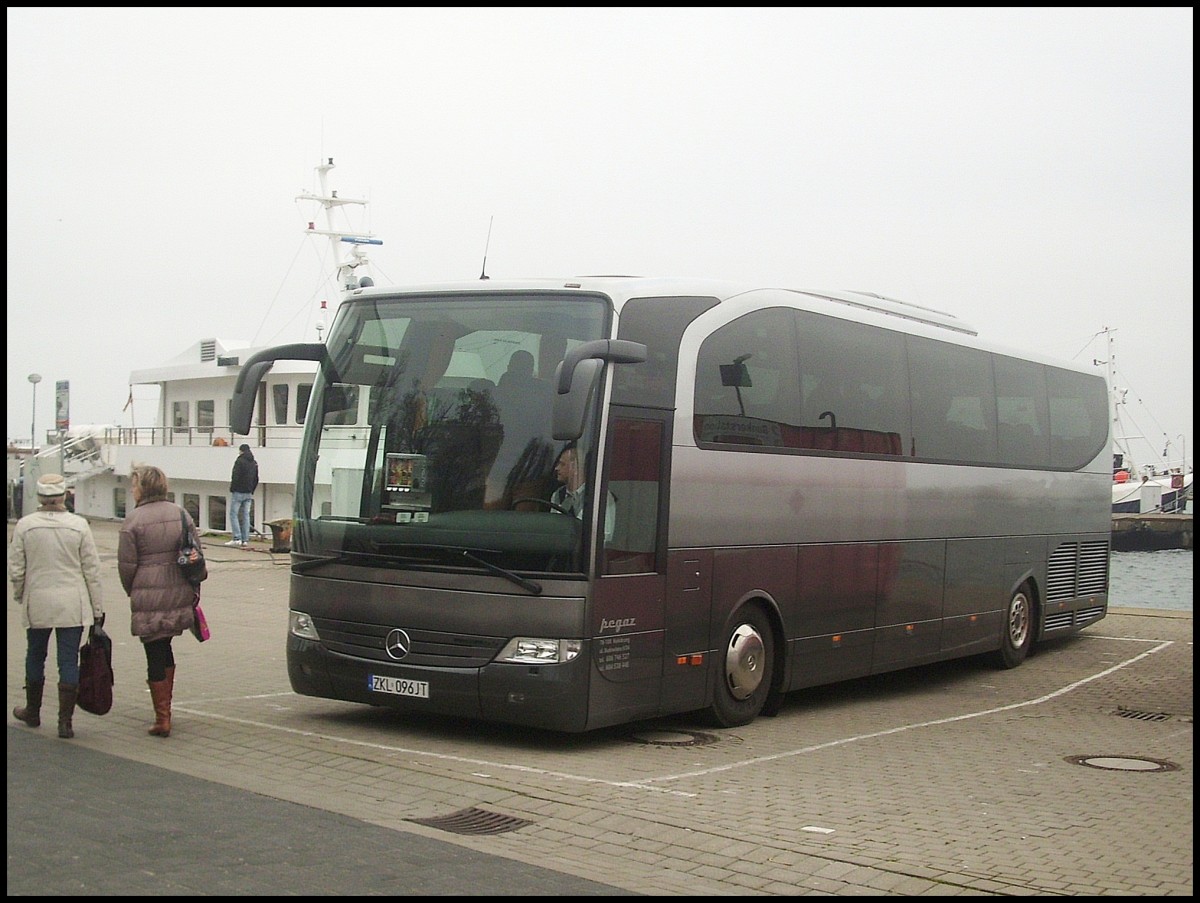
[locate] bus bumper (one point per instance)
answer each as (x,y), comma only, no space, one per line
(553,697)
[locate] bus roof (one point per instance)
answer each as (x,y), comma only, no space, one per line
(623,288)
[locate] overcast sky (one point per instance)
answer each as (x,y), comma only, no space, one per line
(1028,170)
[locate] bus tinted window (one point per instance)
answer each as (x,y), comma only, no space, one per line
(853,381)
(1023,419)
(635,484)
(953,402)
(1078,417)
(747,387)
(845,387)
(658,323)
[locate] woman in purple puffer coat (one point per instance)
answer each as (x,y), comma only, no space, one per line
(160,597)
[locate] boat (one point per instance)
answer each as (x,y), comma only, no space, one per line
(192,439)
(1160,486)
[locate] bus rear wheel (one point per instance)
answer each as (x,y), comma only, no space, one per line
(1016,638)
(744,669)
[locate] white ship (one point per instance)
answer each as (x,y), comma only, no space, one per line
(1162,486)
(192,440)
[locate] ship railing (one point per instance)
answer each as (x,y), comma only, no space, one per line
(158,436)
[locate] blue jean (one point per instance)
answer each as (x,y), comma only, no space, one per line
(67,653)
(239,515)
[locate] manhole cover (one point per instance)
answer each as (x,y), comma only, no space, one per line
(673,738)
(1123,763)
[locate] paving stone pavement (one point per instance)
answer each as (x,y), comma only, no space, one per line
(1070,775)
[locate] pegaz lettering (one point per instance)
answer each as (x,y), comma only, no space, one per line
(617,624)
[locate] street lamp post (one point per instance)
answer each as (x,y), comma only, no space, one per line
(34,378)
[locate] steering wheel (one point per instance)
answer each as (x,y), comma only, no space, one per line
(549,504)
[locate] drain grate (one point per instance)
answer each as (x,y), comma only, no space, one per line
(473,821)
(1143,716)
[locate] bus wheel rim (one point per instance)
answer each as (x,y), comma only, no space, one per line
(1018,621)
(744,662)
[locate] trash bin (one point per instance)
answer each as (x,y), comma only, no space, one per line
(281,534)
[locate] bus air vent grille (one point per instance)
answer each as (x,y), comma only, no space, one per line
(1077,569)
(473,821)
(1060,621)
(1081,618)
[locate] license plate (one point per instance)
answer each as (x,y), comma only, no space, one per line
(398,686)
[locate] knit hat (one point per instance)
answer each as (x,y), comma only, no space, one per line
(51,484)
(243,447)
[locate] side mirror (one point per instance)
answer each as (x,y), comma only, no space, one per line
(616,351)
(241,411)
(569,409)
(577,376)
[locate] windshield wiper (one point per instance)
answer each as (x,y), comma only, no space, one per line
(472,555)
(300,567)
(531,586)
(386,558)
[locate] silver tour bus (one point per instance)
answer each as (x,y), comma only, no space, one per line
(577,503)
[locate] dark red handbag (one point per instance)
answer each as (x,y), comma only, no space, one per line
(95,671)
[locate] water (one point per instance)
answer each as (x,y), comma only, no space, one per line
(1151,580)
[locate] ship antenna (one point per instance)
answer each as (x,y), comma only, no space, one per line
(483,273)
(329,201)
(321,320)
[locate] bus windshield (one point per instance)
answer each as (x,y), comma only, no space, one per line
(429,438)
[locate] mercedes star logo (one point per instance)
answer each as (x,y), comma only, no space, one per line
(397,644)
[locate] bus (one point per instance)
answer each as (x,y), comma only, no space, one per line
(778,489)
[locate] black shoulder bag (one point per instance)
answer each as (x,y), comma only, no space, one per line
(191,559)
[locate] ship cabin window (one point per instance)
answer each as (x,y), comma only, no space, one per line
(303,394)
(205,413)
(191,504)
(342,405)
(279,399)
(216,513)
(179,416)
(119,502)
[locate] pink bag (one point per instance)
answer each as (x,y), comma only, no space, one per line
(199,623)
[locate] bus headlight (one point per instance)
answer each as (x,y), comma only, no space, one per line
(537,651)
(302,625)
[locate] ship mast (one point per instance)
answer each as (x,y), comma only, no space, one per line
(1117,401)
(339,239)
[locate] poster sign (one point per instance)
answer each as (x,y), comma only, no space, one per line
(405,484)
(62,405)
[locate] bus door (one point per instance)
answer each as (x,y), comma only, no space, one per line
(626,618)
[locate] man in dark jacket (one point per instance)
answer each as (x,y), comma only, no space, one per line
(241,495)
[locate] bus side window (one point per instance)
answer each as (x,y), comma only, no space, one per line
(635,481)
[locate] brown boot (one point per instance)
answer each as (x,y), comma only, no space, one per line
(67,694)
(31,712)
(160,695)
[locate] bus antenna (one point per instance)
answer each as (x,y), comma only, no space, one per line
(483,272)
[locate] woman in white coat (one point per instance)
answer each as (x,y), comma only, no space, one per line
(55,574)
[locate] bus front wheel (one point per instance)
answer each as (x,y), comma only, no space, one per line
(1016,638)
(744,669)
